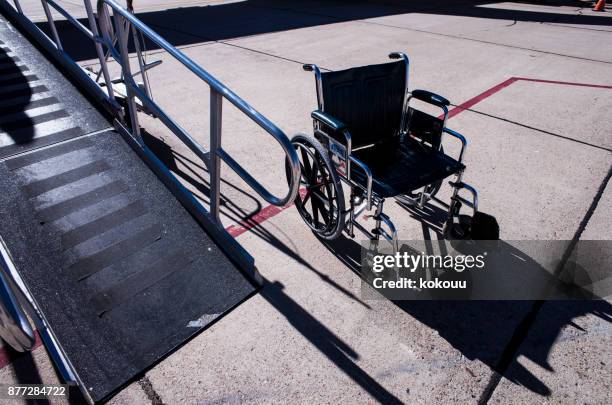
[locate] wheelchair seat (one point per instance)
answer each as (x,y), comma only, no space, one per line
(402,165)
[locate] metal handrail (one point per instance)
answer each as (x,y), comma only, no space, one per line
(100,31)
(218,90)
(92,34)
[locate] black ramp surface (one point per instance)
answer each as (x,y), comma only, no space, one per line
(38,105)
(117,265)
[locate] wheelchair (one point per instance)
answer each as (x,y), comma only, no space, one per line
(368,135)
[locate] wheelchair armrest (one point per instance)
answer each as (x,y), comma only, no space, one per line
(328,120)
(431,98)
(461,138)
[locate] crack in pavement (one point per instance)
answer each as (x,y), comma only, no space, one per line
(150,392)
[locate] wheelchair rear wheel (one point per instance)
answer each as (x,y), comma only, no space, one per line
(320,201)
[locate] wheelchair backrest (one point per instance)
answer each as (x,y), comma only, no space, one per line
(368,99)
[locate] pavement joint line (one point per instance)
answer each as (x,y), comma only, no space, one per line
(95,62)
(587,217)
(448,35)
(147,386)
(511,352)
(269,54)
(411,9)
(553,24)
(466,105)
(482,41)
(210,41)
(539,130)
(227,43)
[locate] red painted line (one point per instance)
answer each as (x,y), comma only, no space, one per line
(596,86)
(251,222)
(7,355)
(477,99)
(488,93)
(262,216)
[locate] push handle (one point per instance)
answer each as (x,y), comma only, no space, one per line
(431,98)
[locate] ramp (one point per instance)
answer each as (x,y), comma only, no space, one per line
(122,273)
(38,106)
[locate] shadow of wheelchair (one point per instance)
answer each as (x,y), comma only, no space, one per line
(491,331)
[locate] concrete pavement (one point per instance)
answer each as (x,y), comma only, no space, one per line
(539,154)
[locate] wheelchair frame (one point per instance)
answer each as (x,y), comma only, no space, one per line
(372,200)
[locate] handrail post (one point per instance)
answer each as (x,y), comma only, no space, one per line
(56,38)
(141,64)
(216,103)
(122,25)
(93,25)
(18,6)
(218,93)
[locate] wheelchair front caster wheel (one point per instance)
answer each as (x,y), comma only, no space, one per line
(484,227)
(320,201)
(481,226)
(458,229)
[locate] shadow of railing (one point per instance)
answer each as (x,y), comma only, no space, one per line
(337,351)
(15,96)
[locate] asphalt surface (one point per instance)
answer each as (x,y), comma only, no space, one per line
(539,154)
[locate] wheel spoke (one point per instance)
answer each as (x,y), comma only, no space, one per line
(306,161)
(306,197)
(323,205)
(316,171)
(330,196)
(315,211)
(325,215)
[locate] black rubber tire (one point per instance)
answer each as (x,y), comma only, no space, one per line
(333,189)
(481,226)
(484,227)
